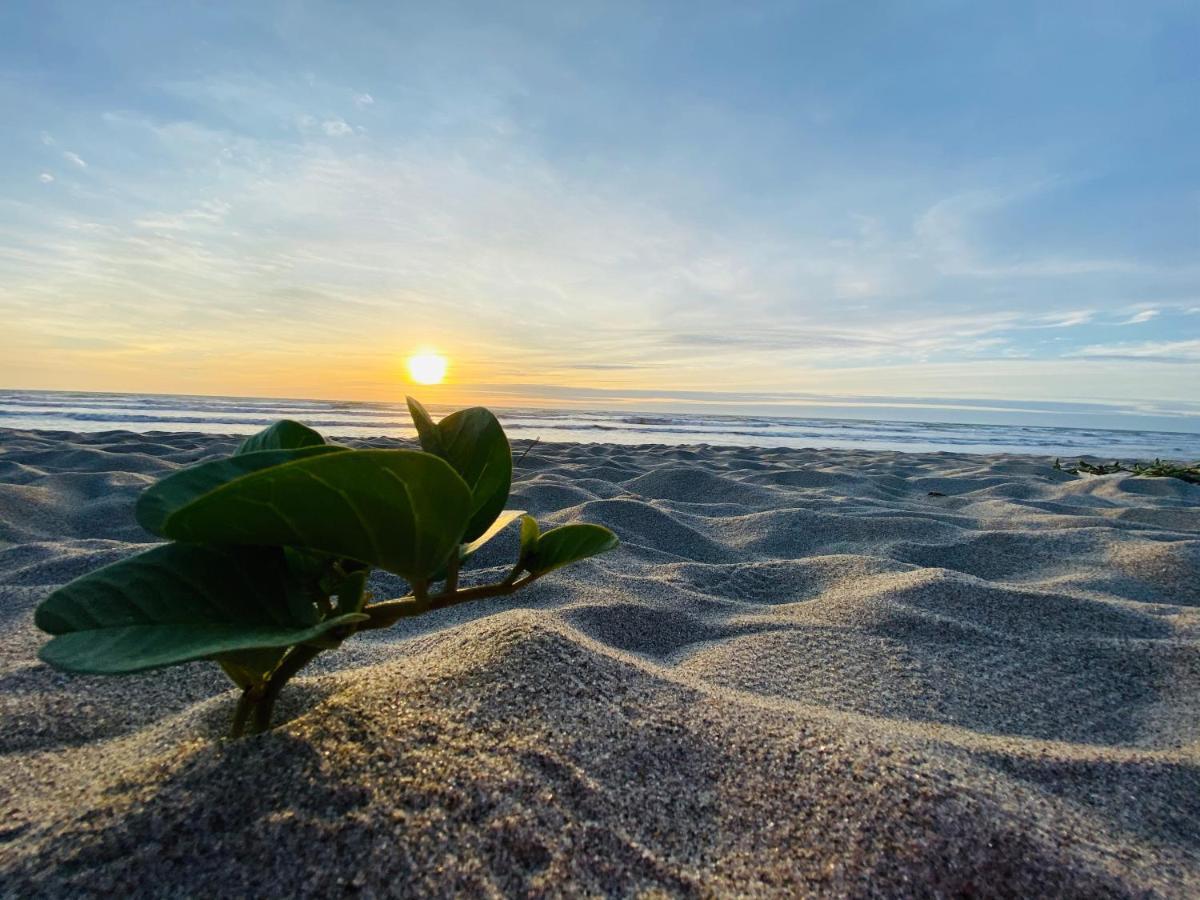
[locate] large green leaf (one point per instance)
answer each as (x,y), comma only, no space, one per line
(566,544)
(283,435)
(161,498)
(173,604)
(473,441)
(401,510)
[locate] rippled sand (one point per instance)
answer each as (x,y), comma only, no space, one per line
(831,672)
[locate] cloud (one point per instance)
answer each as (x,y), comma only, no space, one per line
(1138,318)
(608,367)
(1146,351)
(47,139)
(530,247)
(944,231)
(1064,320)
(75,158)
(607,278)
(45,178)
(206,215)
(336,128)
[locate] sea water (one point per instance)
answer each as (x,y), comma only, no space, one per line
(66,411)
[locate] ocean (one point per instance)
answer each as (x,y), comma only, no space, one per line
(69,411)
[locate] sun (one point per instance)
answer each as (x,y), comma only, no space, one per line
(427,367)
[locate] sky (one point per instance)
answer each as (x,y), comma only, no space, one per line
(950,206)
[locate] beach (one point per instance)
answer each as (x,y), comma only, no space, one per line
(837,672)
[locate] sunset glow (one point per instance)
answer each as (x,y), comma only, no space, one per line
(818,218)
(427,368)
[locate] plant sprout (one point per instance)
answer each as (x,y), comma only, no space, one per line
(270,550)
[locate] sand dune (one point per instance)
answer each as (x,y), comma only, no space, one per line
(830,672)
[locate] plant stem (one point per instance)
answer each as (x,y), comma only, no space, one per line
(257,703)
(452,576)
(517,461)
(250,696)
(389,612)
(295,660)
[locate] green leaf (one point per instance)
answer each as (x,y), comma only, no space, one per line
(473,441)
(427,433)
(283,435)
(401,510)
(503,520)
(567,544)
(157,501)
(174,604)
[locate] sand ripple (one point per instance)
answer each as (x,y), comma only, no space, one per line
(835,672)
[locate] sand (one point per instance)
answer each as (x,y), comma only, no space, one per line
(804,672)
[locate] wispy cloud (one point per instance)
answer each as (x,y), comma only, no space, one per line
(1152,351)
(336,128)
(1138,318)
(74,159)
(946,227)
(1063,320)
(207,214)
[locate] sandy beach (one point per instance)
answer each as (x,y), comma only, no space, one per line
(803,672)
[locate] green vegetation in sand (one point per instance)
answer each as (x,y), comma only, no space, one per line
(1156,469)
(270,550)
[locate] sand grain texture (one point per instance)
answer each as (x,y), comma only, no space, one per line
(804,672)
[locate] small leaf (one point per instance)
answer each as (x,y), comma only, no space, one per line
(427,432)
(304,586)
(567,544)
(529,537)
(250,667)
(283,435)
(401,510)
(352,592)
(173,604)
(178,488)
(502,521)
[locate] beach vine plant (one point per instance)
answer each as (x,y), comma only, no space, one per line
(1157,469)
(270,550)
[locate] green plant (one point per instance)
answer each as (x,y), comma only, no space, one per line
(1163,469)
(1157,469)
(270,550)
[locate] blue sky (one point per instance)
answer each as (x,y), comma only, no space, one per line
(803,204)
